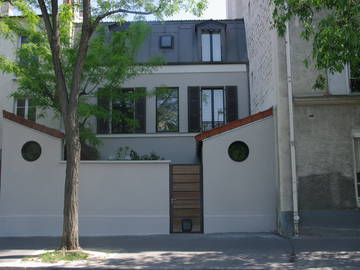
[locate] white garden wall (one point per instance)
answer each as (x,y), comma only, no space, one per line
(116,198)
(240,196)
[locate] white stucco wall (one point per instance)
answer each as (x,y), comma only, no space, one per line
(116,198)
(240,196)
(7,49)
(183,76)
(8,85)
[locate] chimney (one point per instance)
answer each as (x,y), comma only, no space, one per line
(6,9)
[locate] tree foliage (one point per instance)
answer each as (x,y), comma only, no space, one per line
(110,61)
(333,27)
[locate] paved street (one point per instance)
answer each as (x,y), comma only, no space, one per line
(215,251)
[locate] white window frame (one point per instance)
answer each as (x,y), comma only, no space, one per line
(26,108)
(211,48)
(212,105)
(178,111)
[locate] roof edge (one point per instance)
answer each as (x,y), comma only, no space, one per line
(235,124)
(33,125)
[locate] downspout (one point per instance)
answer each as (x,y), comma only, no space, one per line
(296,217)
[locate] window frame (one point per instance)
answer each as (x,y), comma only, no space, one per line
(26,107)
(110,122)
(211,32)
(212,106)
(178,112)
(171,41)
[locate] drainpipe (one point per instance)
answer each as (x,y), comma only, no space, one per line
(296,217)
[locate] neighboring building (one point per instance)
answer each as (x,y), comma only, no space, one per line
(321,176)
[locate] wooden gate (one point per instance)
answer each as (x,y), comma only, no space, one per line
(186,203)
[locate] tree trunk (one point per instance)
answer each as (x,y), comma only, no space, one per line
(70,237)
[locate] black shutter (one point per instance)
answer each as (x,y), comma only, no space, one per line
(194,108)
(103,124)
(231,103)
(140,111)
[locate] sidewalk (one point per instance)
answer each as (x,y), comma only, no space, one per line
(193,251)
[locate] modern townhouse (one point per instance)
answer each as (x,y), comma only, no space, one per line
(209,179)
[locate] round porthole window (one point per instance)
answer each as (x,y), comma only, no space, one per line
(31,151)
(238,151)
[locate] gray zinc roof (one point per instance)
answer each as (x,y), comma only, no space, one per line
(187,43)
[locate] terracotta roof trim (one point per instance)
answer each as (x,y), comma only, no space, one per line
(31,124)
(235,124)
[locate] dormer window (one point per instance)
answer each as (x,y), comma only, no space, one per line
(211,41)
(211,46)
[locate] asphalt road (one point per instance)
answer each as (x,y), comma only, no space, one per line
(194,251)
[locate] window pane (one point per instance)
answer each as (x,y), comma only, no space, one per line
(212,108)
(24,40)
(122,116)
(218,108)
(31,110)
(167,106)
(128,109)
(205,47)
(20,112)
(166,42)
(116,118)
(32,113)
(216,47)
(20,103)
(20,107)
(206,111)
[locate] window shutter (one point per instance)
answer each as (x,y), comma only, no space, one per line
(103,124)
(194,108)
(140,111)
(231,103)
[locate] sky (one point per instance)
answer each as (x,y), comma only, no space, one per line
(216,10)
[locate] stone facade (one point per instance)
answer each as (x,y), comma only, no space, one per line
(325,155)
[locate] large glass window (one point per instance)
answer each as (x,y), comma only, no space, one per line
(167,110)
(25,108)
(124,112)
(212,108)
(211,46)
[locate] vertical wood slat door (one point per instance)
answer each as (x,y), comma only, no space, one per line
(186,198)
